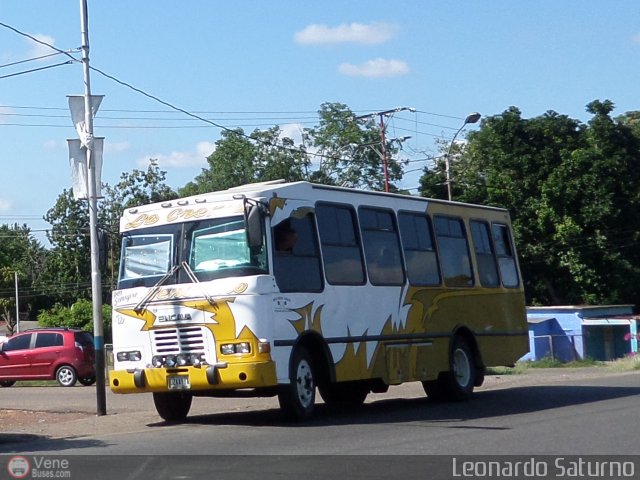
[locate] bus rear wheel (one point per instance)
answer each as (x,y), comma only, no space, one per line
(297,400)
(172,406)
(456,384)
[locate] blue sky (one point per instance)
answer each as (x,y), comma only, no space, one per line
(255,64)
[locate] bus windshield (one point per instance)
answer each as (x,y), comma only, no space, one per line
(213,248)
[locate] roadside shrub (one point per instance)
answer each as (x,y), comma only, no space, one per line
(79,315)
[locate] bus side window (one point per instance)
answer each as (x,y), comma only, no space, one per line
(419,252)
(506,257)
(341,250)
(485,258)
(454,252)
(296,257)
(381,247)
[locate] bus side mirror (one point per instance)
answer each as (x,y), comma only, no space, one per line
(255,224)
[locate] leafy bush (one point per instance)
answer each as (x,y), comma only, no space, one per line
(79,315)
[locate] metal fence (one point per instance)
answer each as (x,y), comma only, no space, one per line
(557,347)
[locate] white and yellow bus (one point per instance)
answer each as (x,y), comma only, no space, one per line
(284,288)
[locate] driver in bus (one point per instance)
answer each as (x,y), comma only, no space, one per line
(285,237)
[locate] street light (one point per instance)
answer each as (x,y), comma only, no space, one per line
(471,118)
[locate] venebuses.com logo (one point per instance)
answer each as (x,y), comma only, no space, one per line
(38,467)
(18,467)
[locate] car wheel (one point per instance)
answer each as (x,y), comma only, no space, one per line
(87,381)
(7,383)
(66,376)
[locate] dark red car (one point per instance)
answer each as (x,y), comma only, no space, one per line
(64,354)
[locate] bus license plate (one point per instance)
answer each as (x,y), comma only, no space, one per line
(179,383)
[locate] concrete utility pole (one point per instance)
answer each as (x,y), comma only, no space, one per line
(96,284)
(383,140)
(17,304)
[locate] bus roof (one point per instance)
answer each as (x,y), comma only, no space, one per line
(301,190)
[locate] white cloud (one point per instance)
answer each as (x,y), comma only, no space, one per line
(53,145)
(367,34)
(5,113)
(115,147)
(379,67)
(292,131)
(39,50)
(195,158)
(4,204)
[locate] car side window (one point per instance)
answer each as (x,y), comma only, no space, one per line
(46,339)
(17,343)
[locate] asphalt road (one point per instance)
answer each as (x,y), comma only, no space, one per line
(560,413)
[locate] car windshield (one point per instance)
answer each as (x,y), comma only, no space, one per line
(212,248)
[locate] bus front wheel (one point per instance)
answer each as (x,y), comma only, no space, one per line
(172,407)
(456,384)
(297,400)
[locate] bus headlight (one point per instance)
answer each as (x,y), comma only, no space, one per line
(171,361)
(134,356)
(179,360)
(157,361)
(196,359)
(231,348)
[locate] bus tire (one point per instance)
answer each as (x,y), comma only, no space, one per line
(172,406)
(347,394)
(456,384)
(297,399)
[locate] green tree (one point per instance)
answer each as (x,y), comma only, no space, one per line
(572,192)
(350,150)
(78,315)
(23,255)
(341,150)
(68,266)
(239,159)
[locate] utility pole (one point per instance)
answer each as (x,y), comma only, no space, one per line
(17,304)
(383,140)
(96,284)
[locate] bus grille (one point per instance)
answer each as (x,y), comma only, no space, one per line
(178,340)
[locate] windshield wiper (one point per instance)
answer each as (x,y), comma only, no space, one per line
(142,303)
(192,276)
(194,279)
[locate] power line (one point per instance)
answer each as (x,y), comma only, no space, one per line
(36,69)
(41,42)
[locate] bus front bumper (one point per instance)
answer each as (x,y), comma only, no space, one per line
(222,376)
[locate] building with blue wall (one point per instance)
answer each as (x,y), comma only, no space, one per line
(569,333)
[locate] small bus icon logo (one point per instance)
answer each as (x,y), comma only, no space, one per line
(18,467)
